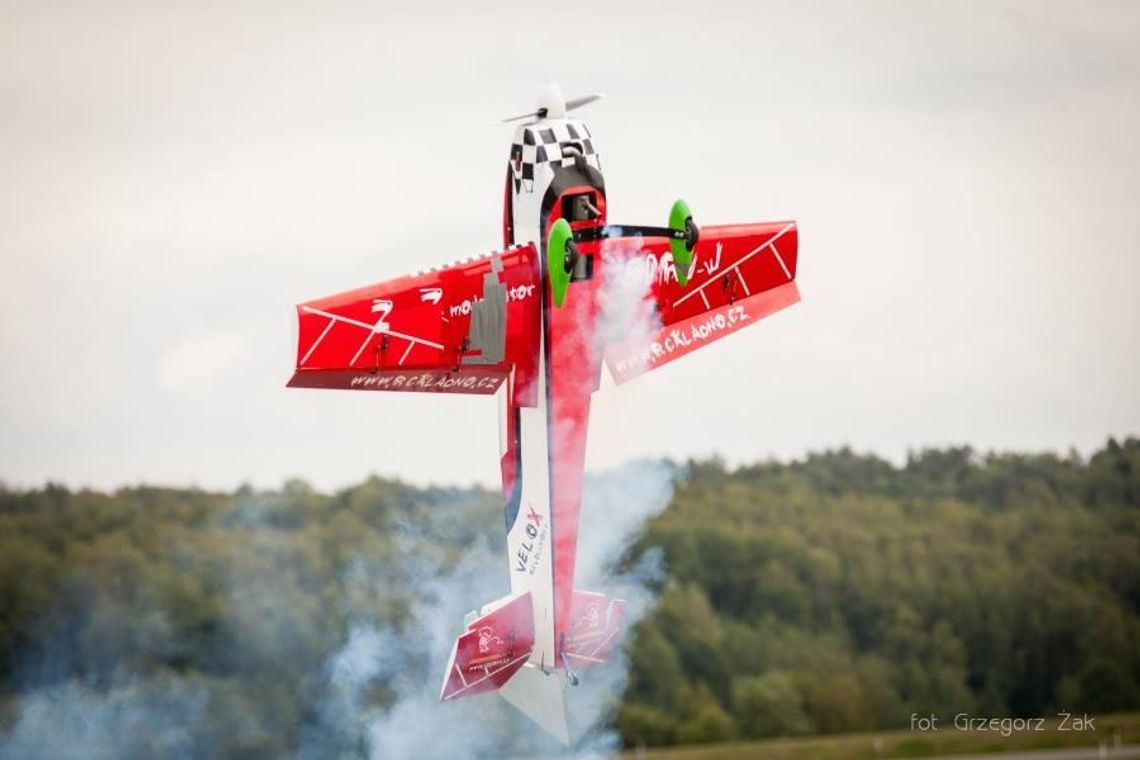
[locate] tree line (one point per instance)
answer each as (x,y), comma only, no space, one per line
(836,593)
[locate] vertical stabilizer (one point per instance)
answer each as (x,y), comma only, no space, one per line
(541,697)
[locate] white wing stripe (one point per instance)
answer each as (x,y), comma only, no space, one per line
(372,328)
(736,265)
(317,342)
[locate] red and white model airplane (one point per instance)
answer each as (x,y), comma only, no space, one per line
(525,322)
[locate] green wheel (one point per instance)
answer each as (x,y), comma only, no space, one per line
(681,220)
(560,255)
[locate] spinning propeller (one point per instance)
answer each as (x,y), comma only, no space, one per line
(551,104)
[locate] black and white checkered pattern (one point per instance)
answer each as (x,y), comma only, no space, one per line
(547,145)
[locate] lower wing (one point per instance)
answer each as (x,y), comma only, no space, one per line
(739,275)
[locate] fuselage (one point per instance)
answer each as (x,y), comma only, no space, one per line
(554,172)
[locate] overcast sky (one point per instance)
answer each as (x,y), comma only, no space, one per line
(174,177)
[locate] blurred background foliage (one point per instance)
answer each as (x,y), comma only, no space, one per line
(833,594)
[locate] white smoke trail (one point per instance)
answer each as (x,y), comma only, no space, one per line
(627,314)
(377,693)
(616,506)
(409,658)
(133,719)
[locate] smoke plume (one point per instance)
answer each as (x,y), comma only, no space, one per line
(296,624)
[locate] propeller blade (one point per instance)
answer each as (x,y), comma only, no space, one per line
(570,104)
(579,102)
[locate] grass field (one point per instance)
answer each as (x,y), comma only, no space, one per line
(1110,730)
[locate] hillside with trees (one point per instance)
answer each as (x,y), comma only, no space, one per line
(831,594)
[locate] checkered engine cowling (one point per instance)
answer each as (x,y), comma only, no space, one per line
(557,144)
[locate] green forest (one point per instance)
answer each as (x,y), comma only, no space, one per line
(836,593)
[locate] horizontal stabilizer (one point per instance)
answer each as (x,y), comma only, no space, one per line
(491,650)
(596,625)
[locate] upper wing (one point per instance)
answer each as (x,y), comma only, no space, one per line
(739,275)
(457,329)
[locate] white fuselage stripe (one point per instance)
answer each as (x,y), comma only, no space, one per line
(534,474)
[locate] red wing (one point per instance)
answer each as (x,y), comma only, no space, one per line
(458,329)
(739,275)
